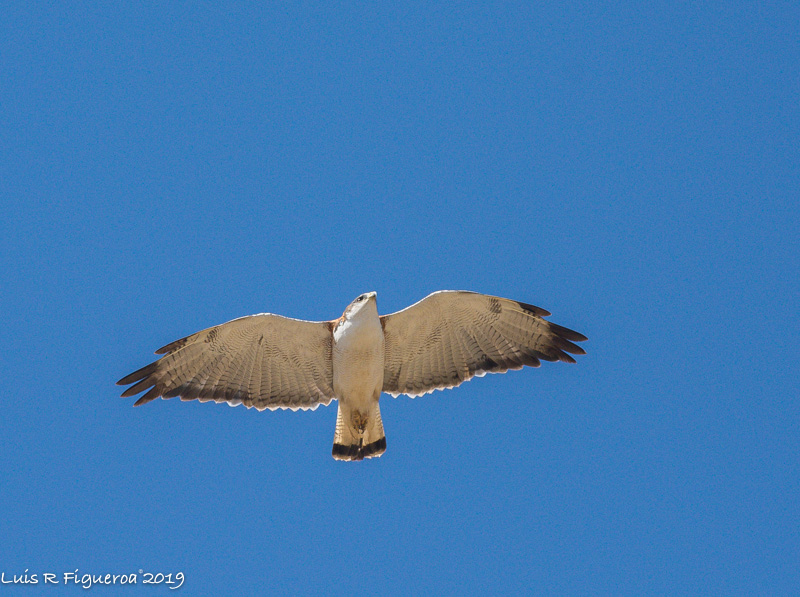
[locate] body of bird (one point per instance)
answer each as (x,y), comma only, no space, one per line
(358,351)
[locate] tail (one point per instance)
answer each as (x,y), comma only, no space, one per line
(358,435)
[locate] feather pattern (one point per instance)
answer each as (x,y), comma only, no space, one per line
(262,361)
(453,335)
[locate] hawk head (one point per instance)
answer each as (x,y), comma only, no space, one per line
(358,305)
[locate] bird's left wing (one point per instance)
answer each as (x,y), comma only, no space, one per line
(261,361)
(453,335)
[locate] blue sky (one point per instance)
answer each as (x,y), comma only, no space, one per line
(631,167)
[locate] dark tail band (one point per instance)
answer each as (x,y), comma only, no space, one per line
(359,451)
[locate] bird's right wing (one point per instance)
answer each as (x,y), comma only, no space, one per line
(451,336)
(261,361)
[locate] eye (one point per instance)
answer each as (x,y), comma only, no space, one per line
(361,298)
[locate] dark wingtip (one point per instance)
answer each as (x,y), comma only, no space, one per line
(534,310)
(138,374)
(138,387)
(128,379)
(565,358)
(151,395)
(168,347)
(568,346)
(567,333)
(175,345)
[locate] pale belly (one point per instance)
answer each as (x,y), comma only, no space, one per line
(358,376)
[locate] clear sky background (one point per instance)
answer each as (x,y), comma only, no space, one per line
(632,167)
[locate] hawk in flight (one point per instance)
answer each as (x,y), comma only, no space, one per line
(270,361)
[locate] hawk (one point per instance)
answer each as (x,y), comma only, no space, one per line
(269,361)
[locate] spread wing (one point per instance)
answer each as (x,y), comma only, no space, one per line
(452,335)
(265,361)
